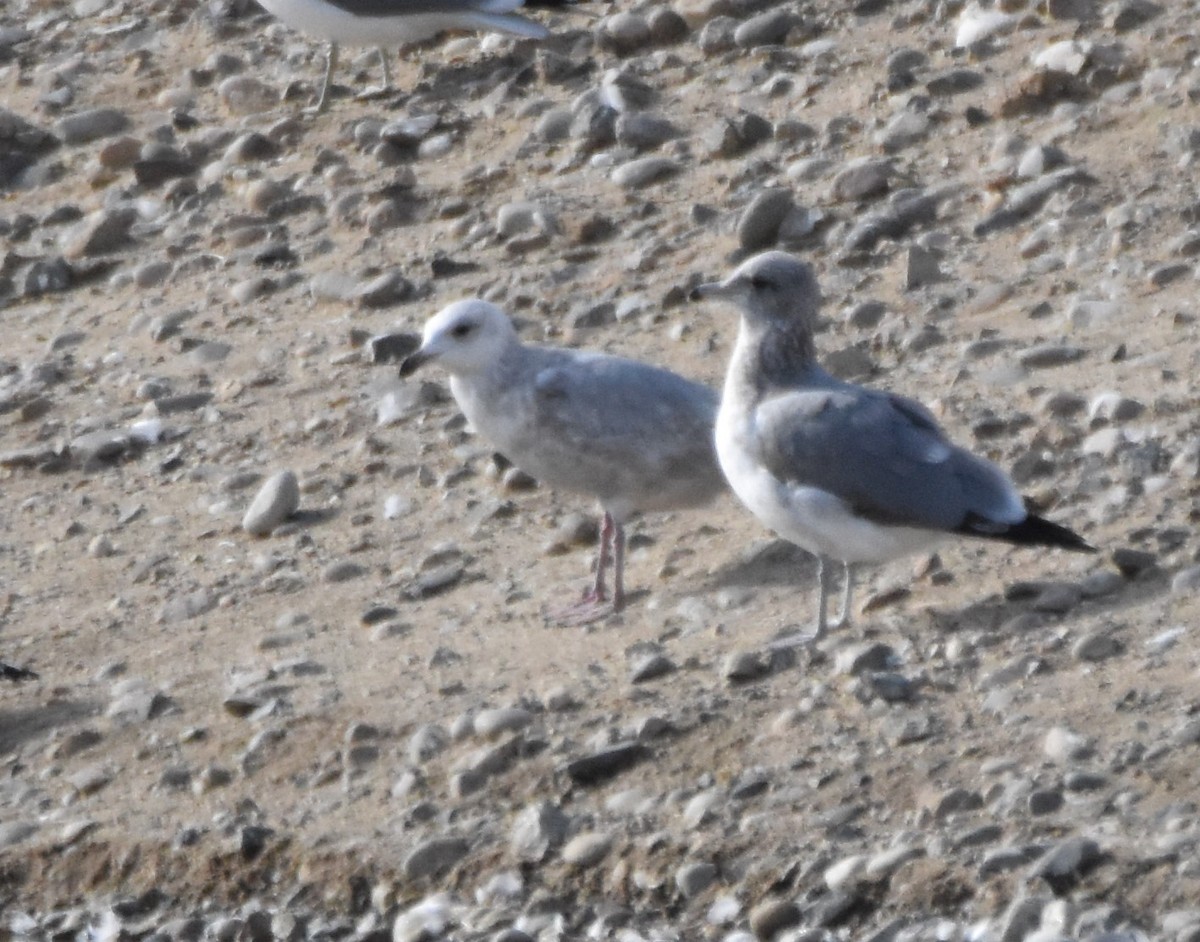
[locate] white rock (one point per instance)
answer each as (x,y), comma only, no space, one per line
(276,500)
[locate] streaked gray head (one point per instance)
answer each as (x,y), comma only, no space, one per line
(773,288)
(464,337)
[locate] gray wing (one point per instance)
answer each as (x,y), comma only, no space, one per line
(394,7)
(884,456)
(642,421)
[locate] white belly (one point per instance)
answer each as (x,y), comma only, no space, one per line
(326,21)
(813,519)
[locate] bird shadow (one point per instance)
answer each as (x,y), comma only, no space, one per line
(21,725)
(995,611)
(773,563)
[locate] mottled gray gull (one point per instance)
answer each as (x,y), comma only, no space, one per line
(848,473)
(381,23)
(634,436)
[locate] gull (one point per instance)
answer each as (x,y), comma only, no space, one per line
(382,23)
(848,473)
(634,436)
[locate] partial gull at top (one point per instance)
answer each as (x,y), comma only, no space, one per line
(843,471)
(634,436)
(383,23)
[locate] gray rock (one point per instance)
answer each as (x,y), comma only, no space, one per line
(743,666)
(758,227)
(651,667)
(644,171)
(772,916)
(1186,581)
(587,849)
(496,722)
(537,830)
(428,741)
(88,126)
(605,763)
(770,28)
(277,499)
(1096,646)
(692,879)
(100,233)
(1066,861)
(434,857)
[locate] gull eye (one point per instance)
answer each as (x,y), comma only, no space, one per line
(759,283)
(461,330)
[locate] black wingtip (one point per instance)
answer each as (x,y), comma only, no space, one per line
(1032,531)
(8,672)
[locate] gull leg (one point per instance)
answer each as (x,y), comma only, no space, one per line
(598,593)
(330,65)
(845,617)
(618,566)
(592,607)
(824,578)
(387,74)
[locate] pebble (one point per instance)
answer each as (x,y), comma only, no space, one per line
(539,829)
(493,723)
(276,501)
(587,849)
(434,858)
(770,28)
(644,171)
(87,126)
(758,227)
(769,918)
(692,879)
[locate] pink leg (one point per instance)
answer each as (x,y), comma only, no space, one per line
(592,607)
(608,528)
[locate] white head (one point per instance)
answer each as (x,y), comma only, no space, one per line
(464,337)
(771,288)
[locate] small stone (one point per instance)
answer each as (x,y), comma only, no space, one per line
(537,830)
(771,917)
(1186,581)
(758,227)
(1131,563)
(692,879)
(435,857)
(586,849)
(492,723)
(1096,646)
(276,500)
(1057,598)
(644,171)
(88,126)
(651,667)
(1046,356)
(605,763)
(766,29)
(1063,746)
(743,666)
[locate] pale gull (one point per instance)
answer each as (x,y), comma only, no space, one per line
(634,436)
(381,23)
(848,473)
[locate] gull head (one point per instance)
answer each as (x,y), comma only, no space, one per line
(464,337)
(770,288)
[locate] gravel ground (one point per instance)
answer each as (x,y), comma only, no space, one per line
(288,613)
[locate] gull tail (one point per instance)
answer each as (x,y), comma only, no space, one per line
(1032,531)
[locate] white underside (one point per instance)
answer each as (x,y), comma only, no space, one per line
(326,21)
(813,519)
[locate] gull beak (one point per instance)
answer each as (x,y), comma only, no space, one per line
(414,362)
(713,289)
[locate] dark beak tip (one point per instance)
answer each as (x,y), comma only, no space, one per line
(410,365)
